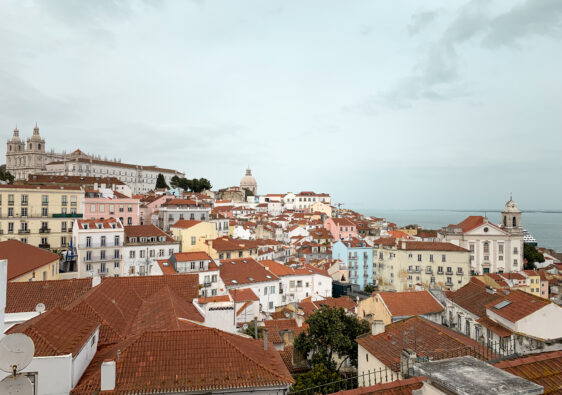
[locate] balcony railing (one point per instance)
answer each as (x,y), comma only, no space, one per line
(100,259)
(24,231)
(44,230)
(45,246)
(67,215)
(99,245)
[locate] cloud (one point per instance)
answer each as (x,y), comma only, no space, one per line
(438,75)
(533,17)
(420,19)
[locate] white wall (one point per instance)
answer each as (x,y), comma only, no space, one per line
(84,357)
(545,323)
(3,288)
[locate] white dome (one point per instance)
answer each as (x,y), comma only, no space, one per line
(248,181)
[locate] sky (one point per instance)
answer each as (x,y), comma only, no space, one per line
(390,105)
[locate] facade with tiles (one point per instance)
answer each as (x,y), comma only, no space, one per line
(41,216)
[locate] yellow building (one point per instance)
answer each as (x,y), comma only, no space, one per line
(40,215)
(229,248)
(28,263)
(193,234)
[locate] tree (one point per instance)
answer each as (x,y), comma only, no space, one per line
(6,175)
(161,182)
(331,331)
(251,330)
(175,182)
(531,255)
(370,288)
(319,375)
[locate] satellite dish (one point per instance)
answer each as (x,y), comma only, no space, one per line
(40,308)
(16,385)
(245,326)
(16,352)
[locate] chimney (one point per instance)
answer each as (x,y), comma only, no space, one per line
(108,375)
(265,338)
(377,327)
(96,280)
(407,360)
(403,245)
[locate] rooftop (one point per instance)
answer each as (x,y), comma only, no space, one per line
(24,258)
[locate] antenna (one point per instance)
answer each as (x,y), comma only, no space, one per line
(16,353)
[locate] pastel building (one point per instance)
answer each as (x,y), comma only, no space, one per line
(341,228)
(357,257)
(105,203)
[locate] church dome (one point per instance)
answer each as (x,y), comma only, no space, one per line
(16,136)
(511,207)
(248,181)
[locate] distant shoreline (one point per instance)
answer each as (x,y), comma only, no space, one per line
(541,211)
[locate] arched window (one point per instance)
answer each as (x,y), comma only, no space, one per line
(514,222)
(39,146)
(30,146)
(504,220)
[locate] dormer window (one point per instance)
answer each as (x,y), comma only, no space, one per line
(99,226)
(143,239)
(162,238)
(85,226)
(133,239)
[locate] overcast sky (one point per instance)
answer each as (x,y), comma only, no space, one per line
(382,104)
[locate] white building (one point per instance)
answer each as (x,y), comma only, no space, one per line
(99,247)
(143,246)
(199,262)
(176,209)
(493,248)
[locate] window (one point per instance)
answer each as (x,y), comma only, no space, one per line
(486,247)
(10,227)
(201,265)
(193,240)
(443,258)
(24,211)
(116,265)
(73,200)
(471,247)
(121,208)
(10,211)
(270,305)
(88,267)
(64,200)
(116,240)
(161,252)
(500,248)
(11,200)
(132,254)
(45,200)
(63,241)
(63,226)
(102,241)
(130,208)
(88,256)
(410,256)
(129,221)
(467,329)
(419,257)
(515,251)
(116,254)
(265,290)
(43,240)
(440,269)
(102,254)
(23,199)
(151,252)
(430,258)
(44,211)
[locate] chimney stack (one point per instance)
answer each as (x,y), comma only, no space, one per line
(265,339)
(377,327)
(107,375)
(96,280)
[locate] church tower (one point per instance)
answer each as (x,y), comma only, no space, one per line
(511,217)
(35,152)
(15,153)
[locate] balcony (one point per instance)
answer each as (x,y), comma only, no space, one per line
(459,273)
(45,246)
(206,285)
(67,215)
(44,230)
(24,231)
(428,271)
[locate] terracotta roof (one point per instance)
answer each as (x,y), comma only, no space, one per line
(80,180)
(107,223)
(214,299)
(544,369)
(385,241)
(24,296)
(146,231)
(473,222)
(41,187)
(244,271)
(521,305)
(57,332)
(185,223)
(277,327)
(192,256)
(183,202)
(473,297)
(130,305)
(243,295)
(118,164)
(426,339)
(404,304)
(397,387)
(494,327)
(344,302)
(24,258)
(162,361)
(342,222)
(230,244)
(432,246)
(166,266)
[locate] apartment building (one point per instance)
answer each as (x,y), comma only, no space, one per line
(400,265)
(356,256)
(40,215)
(177,209)
(106,203)
(98,246)
(143,246)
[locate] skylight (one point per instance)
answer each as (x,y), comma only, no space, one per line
(502,304)
(267,276)
(234,282)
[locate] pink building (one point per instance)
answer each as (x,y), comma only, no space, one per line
(150,204)
(341,228)
(105,203)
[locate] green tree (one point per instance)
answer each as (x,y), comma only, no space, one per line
(204,185)
(370,288)
(331,331)
(531,255)
(6,175)
(161,182)
(319,375)
(251,330)
(175,182)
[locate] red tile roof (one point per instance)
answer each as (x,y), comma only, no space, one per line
(162,361)
(24,296)
(522,304)
(544,369)
(424,337)
(397,387)
(166,266)
(277,327)
(146,231)
(182,202)
(185,223)
(108,223)
(244,271)
(494,327)
(192,256)
(57,332)
(474,297)
(24,258)
(433,246)
(344,302)
(404,304)
(214,299)
(243,295)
